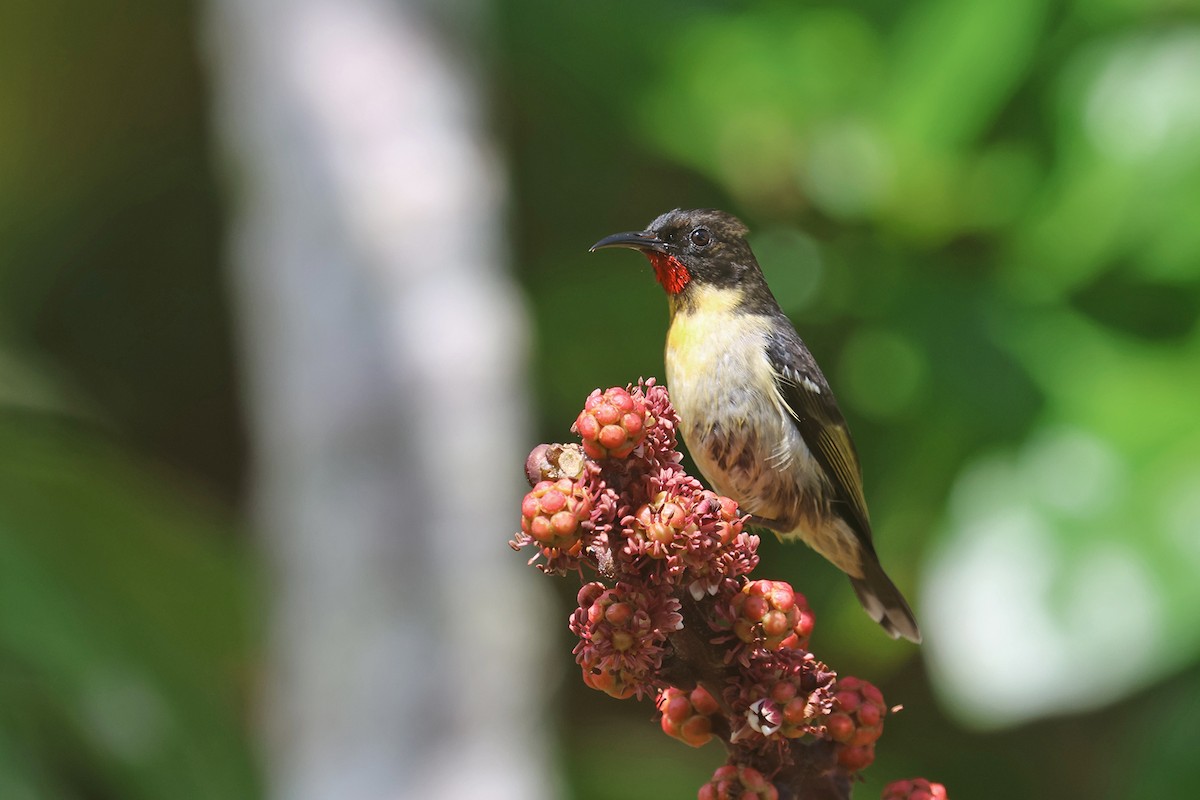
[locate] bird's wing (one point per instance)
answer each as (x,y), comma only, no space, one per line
(816,414)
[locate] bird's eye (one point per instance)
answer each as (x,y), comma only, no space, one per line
(701,237)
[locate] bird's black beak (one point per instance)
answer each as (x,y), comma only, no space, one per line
(636,240)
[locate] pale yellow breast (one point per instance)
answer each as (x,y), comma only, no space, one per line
(711,349)
(724,389)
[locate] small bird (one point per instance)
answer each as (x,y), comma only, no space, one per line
(755,410)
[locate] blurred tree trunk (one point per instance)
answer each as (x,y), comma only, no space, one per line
(383,350)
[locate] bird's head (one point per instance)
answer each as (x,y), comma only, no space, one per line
(701,246)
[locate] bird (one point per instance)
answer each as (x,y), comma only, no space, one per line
(756,413)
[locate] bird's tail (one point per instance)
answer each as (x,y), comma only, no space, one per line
(884,603)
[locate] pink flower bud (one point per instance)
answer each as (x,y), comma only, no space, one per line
(612,423)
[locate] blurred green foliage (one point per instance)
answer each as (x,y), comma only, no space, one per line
(122,633)
(983,216)
(126,613)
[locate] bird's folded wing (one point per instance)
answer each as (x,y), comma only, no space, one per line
(815,411)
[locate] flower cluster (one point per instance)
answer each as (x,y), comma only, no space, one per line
(914,789)
(856,722)
(612,423)
(553,511)
(623,506)
(738,782)
(668,609)
(688,716)
(621,633)
(785,693)
(768,615)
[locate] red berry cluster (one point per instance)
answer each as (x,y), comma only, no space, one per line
(738,782)
(856,722)
(553,511)
(612,423)
(688,716)
(621,635)
(915,789)
(640,516)
(785,694)
(660,527)
(669,610)
(770,615)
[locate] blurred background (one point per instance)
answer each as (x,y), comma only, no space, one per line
(276,275)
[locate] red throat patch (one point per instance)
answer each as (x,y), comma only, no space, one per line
(670,271)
